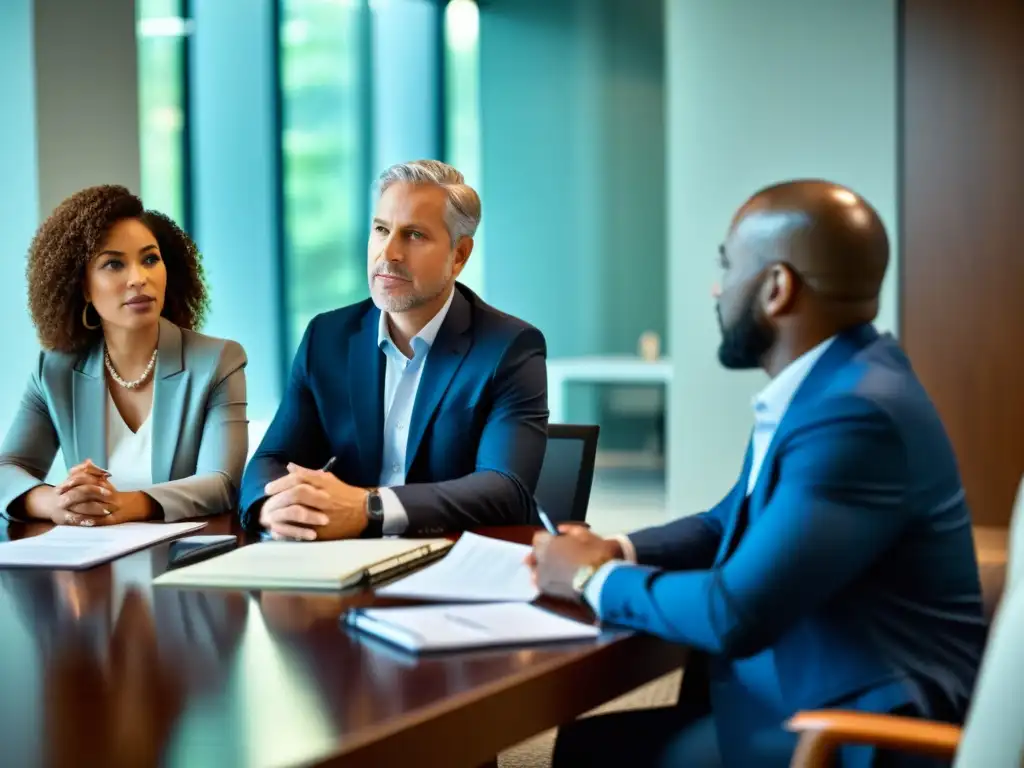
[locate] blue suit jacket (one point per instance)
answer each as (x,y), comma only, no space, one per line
(855,563)
(479,423)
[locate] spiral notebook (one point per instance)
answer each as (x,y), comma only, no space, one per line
(308,565)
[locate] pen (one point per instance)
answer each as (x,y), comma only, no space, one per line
(463,621)
(547,522)
(330,463)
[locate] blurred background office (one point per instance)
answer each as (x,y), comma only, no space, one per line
(610,140)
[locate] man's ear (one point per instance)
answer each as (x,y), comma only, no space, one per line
(778,292)
(463,250)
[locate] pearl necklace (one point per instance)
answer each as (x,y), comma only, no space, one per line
(129,384)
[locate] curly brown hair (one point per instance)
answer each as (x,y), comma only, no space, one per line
(66,242)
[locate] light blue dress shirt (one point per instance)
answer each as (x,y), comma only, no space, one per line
(769,408)
(401,381)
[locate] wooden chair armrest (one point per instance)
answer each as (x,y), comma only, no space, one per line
(822,732)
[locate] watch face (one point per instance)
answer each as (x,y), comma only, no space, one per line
(581,577)
(375,505)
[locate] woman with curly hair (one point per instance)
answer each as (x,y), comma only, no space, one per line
(149,414)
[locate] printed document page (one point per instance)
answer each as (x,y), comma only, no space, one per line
(476,569)
(71,546)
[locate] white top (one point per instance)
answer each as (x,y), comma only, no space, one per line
(129,454)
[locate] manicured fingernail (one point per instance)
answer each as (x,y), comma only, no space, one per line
(88,523)
(107,512)
(309,535)
(322,519)
(104,491)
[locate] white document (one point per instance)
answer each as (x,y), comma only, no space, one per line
(459,627)
(477,569)
(71,546)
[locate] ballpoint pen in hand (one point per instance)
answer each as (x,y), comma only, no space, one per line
(330,463)
(547,522)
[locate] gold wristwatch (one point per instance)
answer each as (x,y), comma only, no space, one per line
(581,578)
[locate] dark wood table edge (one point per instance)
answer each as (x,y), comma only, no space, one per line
(471,728)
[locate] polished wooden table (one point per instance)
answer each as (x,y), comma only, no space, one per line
(99,667)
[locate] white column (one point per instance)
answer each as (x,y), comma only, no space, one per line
(87,102)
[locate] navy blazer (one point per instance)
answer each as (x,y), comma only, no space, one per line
(479,424)
(853,559)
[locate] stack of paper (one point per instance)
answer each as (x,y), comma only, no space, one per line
(478,569)
(73,547)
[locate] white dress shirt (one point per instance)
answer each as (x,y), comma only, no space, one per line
(401,381)
(129,454)
(770,405)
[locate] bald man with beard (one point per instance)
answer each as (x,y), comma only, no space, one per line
(840,571)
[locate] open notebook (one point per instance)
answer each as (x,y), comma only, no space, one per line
(308,565)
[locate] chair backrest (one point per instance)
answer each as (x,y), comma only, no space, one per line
(566,476)
(994,732)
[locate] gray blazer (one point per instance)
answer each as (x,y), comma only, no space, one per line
(200,430)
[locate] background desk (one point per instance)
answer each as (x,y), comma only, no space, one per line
(610,369)
(111,671)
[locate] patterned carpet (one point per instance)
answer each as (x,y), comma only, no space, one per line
(536,753)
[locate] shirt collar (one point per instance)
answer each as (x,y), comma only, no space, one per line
(771,403)
(427,334)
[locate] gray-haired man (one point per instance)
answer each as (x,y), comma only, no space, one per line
(431,404)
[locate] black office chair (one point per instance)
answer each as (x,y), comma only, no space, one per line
(566,476)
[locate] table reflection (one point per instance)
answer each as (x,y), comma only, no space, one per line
(116,707)
(109,661)
(269,710)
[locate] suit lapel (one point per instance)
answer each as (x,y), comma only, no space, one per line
(842,349)
(366,394)
(443,361)
(169,400)
(89,409)
(738,512)
(845,346)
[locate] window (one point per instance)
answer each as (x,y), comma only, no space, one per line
(462,111)
(361,87)
(161,31)
(324,98)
